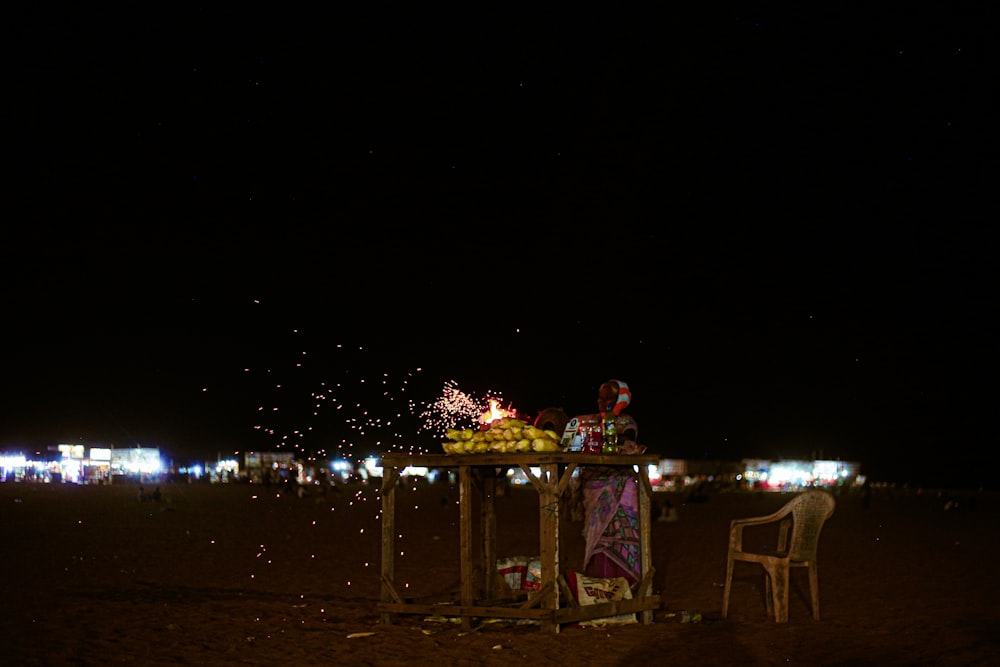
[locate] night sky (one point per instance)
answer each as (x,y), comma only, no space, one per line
(261,228)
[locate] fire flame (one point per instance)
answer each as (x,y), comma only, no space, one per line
(496,412)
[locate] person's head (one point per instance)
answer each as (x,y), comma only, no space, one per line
(613,394)
(607,395)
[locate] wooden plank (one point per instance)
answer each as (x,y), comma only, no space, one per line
(467,613)
(466,566)
(644,480)
(488,525)
(644,587)
(539,597)
(589,612)
(567,593)
(646,567)
(390,477)
(565,479)
(548,532)
(558,616)
(388,584)
(535,482)
(500,586)
(500,459)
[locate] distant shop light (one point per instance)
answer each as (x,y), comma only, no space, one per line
(13,461)
(372,466)
(341,465)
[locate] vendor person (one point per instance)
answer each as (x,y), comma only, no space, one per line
(610,497)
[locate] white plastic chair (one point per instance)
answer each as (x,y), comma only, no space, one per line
(798,526)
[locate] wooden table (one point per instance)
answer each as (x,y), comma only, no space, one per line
(552,605)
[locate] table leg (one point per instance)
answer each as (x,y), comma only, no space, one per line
(645,491)
(467,566)
(488,522)
(390,476)
(548,532)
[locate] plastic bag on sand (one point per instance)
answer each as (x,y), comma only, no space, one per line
(592,590)
(522,573)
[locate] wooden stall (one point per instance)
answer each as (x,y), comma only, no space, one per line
(489,596)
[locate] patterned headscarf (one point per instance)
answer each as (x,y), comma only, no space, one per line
(624,397)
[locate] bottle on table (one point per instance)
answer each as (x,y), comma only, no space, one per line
(609,432)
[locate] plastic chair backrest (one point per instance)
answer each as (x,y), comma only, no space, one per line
(809,511)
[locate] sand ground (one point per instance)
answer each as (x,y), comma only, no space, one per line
(244,575)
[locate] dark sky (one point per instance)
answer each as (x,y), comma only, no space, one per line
(262,228)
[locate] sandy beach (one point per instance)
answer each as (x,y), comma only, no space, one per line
(239,574)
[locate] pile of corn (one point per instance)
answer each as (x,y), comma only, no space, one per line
(506,435)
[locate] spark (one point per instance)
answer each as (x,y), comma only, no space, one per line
(455,409)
